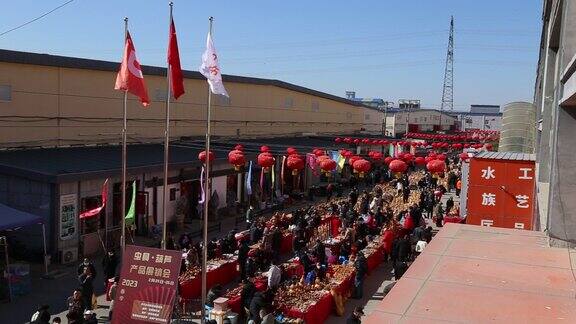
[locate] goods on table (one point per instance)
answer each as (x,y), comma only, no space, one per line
(194,271)
(190,274)
(299,296)
(340,274)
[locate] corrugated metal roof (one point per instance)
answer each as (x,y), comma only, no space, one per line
(57,165)
(513,156)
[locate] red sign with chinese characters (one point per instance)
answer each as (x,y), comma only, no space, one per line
(147,288)
(501,193)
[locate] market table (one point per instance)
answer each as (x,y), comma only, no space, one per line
(234,299)
(316,313)
(374,259)
(223,274)
(452,219)
(286,246)
(341,290)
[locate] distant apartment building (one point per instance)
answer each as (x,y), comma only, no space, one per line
(481,117)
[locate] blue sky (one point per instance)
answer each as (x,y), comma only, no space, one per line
(387,49)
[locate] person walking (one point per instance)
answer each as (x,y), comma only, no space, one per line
(458,187)
(356,316)
(112,296)
(87,287)
(41,316)
(75,307)
(243,257)
(109,264)
(361,267)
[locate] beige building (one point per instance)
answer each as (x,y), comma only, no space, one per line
(373,121)
(65,118)
(50,100)
(418,120)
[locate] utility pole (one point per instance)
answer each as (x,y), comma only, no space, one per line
(448,90)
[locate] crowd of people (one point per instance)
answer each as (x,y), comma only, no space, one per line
(386,207)
(382,206)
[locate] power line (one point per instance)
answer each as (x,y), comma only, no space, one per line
(35,19)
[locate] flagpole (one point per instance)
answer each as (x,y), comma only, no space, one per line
(123,186)
(207,197)
(166,147)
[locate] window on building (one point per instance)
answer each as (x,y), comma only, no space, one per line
(315,106)
(288,102)
(5,93)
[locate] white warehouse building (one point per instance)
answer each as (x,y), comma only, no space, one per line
(398,123)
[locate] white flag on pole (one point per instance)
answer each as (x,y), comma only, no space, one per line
(211,70)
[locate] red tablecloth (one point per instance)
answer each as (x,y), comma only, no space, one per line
(452,219)
(234,302)
(336,223)
(223,275)
(286,246)
(387,240)
(294,269)
(375,258)
(345,287)
(316,313)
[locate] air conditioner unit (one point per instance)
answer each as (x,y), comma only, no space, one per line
(69,255)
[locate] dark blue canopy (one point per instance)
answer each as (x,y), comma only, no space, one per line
(11,218)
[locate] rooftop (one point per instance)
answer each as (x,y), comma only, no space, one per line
(57,165)
(506,156)
(474,274)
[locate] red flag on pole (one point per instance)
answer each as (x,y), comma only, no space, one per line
(97,210)
(176,79)
(130,76)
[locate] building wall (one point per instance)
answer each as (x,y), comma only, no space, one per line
(372,121)
(484,122)
(557,138)
(426,120)
(61,106)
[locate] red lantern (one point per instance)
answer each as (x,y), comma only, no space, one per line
(295,163)
(265,160)
(398,166)
(464,156)
(388,159)
(353,159)
(420,160)
(441,157)
(319,152)
(356,141)
(236,159)
(436,166)
(235,152)
(239,147)
(338,140)
(202,156)
(291,151)
(361,166)
(408,157)
(264,149)
(327,165)
(489,146)
(376,156)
